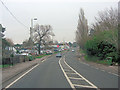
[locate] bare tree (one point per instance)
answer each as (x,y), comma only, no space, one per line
(106,20)
(82,29)
(42,34)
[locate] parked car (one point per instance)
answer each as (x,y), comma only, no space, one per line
(55,50)
(60,50)
(26,54)
(49,52)
(58,55)
(73,50)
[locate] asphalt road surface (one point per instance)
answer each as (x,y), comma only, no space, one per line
(65,72)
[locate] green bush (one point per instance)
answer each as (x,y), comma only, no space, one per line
(31,58)
(101,46)
(114,55)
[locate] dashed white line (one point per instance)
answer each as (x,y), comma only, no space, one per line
(113,73)
(100,69)
(96,68)
(21,76)
(103,70)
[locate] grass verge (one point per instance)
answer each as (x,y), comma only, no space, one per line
(40,56)
(93,58)
(3,66)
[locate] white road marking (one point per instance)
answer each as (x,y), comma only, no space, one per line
(76,78)
(81,76)
(113,73)
(43,60)
(21,76)
(106,71)
(96,68)
(68,78)
(72,86)
(82,86)
(103,70)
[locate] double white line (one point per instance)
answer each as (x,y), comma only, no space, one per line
(81,77)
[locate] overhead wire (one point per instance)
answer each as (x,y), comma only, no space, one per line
(13,15)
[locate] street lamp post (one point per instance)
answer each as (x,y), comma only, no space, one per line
(31,28)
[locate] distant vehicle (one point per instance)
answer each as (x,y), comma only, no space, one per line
(58,55)
(41,51)
(73,50)
(60,50)
(25,54)
(55,50)
(49,52)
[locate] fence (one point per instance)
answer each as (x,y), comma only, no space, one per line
(14,60)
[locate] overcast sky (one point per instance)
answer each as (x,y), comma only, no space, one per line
(62,15)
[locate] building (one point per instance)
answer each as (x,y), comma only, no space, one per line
(1,31)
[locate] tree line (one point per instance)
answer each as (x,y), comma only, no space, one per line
(101,39)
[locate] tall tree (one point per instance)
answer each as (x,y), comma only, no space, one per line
(42,34)
(82,29)
(107,20)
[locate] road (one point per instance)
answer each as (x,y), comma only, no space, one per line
(65,72)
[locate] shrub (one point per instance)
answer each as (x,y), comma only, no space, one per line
(100,46)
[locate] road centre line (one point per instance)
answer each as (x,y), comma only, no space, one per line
(21,76)
(72,86)
(81,75)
